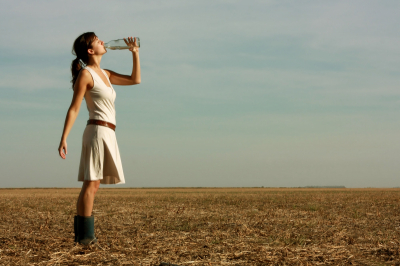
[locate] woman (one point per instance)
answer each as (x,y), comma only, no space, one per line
(100,158)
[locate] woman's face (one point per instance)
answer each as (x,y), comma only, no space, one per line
(98,47)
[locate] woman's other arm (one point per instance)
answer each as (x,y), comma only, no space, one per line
(80,87)
(134,78)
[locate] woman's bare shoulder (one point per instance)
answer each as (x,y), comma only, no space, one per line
(84,73)
(84,79)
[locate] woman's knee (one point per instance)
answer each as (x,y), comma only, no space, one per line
(91,187)
(96,186)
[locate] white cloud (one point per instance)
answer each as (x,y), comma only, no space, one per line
(31,78)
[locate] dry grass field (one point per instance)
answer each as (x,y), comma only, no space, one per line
(204,226)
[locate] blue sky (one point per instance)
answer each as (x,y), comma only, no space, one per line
(233,93)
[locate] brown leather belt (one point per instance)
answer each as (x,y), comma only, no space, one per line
(101,123)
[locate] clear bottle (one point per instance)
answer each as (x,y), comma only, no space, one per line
(119,44)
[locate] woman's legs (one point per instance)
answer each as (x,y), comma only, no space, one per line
(84,205)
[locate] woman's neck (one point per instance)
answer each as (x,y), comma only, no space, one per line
(94,62)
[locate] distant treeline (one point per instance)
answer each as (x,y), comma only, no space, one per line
(325,187)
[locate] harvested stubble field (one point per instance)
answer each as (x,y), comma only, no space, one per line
(204,226)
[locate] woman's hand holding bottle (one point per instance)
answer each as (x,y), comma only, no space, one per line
(132,43)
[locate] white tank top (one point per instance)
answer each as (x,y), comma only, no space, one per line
(100,99)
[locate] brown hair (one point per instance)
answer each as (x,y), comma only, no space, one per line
(80,47)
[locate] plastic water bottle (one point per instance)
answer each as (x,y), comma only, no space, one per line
(119,44)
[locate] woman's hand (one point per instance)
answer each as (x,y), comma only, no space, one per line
(62,148)
(133,46)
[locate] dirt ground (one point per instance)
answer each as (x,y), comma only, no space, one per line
(204,226)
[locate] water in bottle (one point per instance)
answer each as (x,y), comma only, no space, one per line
(119,44)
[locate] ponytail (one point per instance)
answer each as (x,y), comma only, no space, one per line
(75,69)
(80,47)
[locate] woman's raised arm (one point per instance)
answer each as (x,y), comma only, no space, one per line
(134,78)
(80,87)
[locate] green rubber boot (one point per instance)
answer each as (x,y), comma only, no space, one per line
(76,227)
(86,230)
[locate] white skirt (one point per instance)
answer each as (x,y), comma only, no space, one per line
(100,159)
